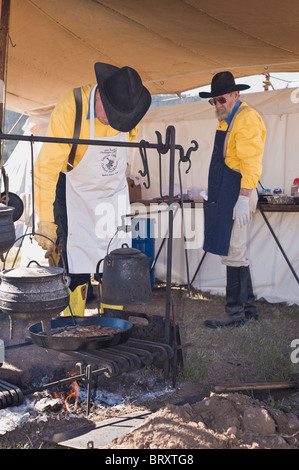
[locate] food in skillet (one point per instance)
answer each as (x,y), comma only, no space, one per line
(84,331)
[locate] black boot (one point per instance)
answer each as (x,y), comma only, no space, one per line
(236,292)
(250,306)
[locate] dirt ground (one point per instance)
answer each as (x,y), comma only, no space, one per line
(189,415)
(226,421)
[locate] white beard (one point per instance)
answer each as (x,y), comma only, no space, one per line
(223,114)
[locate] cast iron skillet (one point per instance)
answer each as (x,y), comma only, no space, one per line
(80,343)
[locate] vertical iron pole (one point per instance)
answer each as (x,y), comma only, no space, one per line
(170,234)
(171,131)
(88,373)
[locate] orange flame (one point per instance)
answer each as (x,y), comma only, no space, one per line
(72,395)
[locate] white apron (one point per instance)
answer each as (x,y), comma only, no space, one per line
(96,197)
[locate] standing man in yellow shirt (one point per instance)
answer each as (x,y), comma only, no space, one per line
(235,169)
(89,186)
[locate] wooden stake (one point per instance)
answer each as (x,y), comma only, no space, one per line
(222,388)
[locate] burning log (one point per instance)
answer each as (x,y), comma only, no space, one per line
(70,396)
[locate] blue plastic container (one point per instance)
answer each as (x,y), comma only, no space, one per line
(143,240)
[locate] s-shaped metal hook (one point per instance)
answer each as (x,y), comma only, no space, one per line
(145,172)
(187,157)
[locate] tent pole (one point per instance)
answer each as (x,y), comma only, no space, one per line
(4,28)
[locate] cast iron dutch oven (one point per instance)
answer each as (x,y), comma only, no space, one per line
(33,292)
(74,343)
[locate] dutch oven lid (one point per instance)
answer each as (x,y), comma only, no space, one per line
(125,251)
(32,272)
(5,208)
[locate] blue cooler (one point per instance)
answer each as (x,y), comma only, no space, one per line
(142,240)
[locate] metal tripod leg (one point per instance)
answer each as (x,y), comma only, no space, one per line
(277,241)
(198,267)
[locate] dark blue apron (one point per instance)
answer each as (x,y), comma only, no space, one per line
(223,191)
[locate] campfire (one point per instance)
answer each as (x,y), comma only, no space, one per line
(69,397)
(114,396)
(78,392)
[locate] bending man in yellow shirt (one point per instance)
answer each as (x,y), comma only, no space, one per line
(235,169)
(88,186)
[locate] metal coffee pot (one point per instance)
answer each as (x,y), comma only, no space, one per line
(126,277)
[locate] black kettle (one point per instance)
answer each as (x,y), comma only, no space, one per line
(34,292)
(126,277)
(7,228)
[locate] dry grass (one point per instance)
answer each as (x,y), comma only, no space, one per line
(259,351)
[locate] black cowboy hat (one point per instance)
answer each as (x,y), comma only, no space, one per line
(124,97)
(223,83)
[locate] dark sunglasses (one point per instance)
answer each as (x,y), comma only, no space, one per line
(220,100)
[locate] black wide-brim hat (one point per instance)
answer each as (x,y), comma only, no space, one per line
(223,83)
(125,99)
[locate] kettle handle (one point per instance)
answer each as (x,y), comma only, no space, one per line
(31,234)
(125,245)
(33,261)
(97,269)
(66,279)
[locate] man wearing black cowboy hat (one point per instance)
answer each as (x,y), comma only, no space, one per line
(235,169)
(88,182)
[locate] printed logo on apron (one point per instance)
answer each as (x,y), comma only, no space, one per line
(109,162)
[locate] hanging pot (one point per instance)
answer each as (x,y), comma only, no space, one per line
(14,201)
(126,277)
(11,199)
(33,292)
(7,228)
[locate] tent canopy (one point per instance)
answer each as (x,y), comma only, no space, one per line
(175,45)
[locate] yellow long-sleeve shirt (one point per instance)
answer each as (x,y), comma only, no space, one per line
(53,157)
(245,146)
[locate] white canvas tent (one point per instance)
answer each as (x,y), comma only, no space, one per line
(19,170)
(271,275)
(272,278)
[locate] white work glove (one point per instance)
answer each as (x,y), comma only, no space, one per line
(204,194)
(241,212)
(48,229)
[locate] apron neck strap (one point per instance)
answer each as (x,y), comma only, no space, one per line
(240,109)
(91,112)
